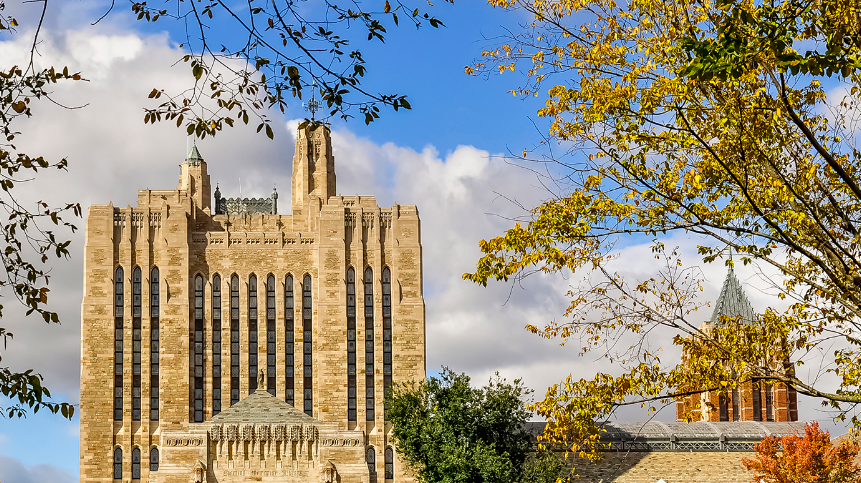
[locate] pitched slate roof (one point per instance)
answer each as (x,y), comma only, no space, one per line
(700,430)
(733,302)
(653,431)
(262,407)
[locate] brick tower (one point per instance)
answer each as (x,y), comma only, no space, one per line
(753,400)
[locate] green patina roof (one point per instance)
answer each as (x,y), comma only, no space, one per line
(733,302)
(194,155)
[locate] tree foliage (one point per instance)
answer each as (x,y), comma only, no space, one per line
(449,432)
(811,458)
(543,466)
(27,244)
(246,58)
(705,119)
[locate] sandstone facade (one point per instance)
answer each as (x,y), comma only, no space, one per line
(187,302)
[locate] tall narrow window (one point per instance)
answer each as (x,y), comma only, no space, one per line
(153,344)
(136,464)
(757,401)
(390,464)
(769,402)
(216,345)
(387,338)
(270,334)
(198,349)
(252,333)
(371,458)
(289,391)
(724,408)
(736,400)
(307,347)
(118,345)
(792,397)
(118,464)
(234,340)
(136,344)
(351,344)
(153,459)
(369,344)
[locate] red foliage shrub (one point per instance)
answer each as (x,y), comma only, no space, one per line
(808,459)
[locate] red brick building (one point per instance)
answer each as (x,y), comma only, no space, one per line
(753,400)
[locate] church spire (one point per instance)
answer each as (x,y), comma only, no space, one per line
(194,155)
(733,302)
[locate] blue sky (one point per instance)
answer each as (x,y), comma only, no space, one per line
(446,155)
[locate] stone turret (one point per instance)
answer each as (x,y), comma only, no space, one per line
(194,180)
(313,168)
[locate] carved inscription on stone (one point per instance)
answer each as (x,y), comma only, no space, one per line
(258,473)
(183,442)
(339,442)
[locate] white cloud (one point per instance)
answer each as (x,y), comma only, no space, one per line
(469,328)
(12,471)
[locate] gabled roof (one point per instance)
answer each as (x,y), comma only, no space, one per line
(262,407)
(733,302)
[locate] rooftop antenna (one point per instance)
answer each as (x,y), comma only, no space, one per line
(313,106)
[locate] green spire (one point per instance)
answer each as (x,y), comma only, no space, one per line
(194,155)
(733,302)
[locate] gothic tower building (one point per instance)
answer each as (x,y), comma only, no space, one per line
(753,400)
(225,342)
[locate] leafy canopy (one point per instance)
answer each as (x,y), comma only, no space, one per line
(246,58)
(707,119)
(449,432)
(26,245)
(811,458)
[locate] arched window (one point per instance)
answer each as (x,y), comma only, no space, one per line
(198,349)
(136,344)
(234,340)
(118,345)
(351,344)
(369,344)
(289,335)
(153,459)
(270,334)
(390,464)
(252,333)
(307,347)
(387,338)
(216,345)
(153,344)
(371,458)
(723,408)
(118,464)
(136,464)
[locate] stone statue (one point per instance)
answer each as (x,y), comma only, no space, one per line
(199,475)
(261,380)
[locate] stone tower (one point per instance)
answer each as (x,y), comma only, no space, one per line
(228,343)
(754,400)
